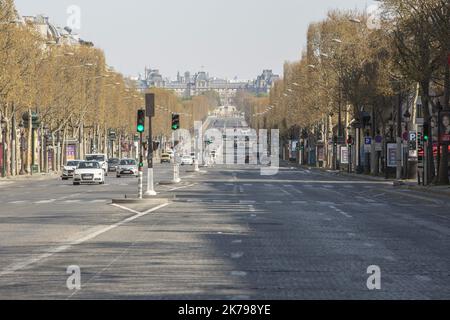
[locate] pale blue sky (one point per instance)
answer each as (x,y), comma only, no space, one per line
(229,37)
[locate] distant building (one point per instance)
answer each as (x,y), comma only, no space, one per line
(264,82)
(188,86)
(47,30)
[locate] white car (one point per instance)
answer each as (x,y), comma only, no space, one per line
(102,159)
(187,160)
(69,169)
(89,172)
(127,167)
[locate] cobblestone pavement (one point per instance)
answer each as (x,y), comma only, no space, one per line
(230,234)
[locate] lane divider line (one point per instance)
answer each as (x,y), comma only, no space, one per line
(34,260)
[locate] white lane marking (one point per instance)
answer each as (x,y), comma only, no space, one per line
(221,201)
(325,203)
(21,265)
(299,202)
(241,189)
(248,184)
(273,202)
(247,201)
(45,201)
(238,273)
(340,211)
(178,188)
(237,255)
(72,201)
(236,241)
(17,202)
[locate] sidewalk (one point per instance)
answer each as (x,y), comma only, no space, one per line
(36,176)
(406,184)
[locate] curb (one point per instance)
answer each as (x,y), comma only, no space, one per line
(395,183)
(155,201)
(168,182)
(18,178)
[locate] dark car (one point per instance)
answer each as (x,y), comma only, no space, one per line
(112,164)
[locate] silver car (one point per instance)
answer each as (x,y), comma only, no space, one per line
(127,167)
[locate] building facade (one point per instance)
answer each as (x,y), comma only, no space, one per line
(187,85)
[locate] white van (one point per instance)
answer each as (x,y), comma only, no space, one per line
(100,158)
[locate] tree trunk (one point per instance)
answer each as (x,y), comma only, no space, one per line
(54,155)
(425,85)
(13,145)
(443,165)
(8,147)
(63,149)
(29,142)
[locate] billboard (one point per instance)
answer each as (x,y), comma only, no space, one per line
(445,126)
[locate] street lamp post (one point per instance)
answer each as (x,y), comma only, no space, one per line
(407,117)
(399,138)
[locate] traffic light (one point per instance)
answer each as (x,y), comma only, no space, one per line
(335,140)
(175,122)
(426,131)
(140,121)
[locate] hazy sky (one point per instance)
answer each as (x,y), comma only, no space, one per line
(228,37)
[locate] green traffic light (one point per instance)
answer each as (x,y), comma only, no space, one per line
(140,128)
(425,138)
(174,127)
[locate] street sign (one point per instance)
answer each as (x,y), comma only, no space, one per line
(367,144)
(344,155)
(150,104)
(392,155)
(378,147)
(378,139)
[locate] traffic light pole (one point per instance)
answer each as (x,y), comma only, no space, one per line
(150,110)
(141,160)
(150,182)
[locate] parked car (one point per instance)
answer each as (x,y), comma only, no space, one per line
(69,169)
(102,159)
(89,172)
(112,164)
(165,158)
(187,160)
(127,167)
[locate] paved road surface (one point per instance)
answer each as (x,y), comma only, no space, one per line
(231,234)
